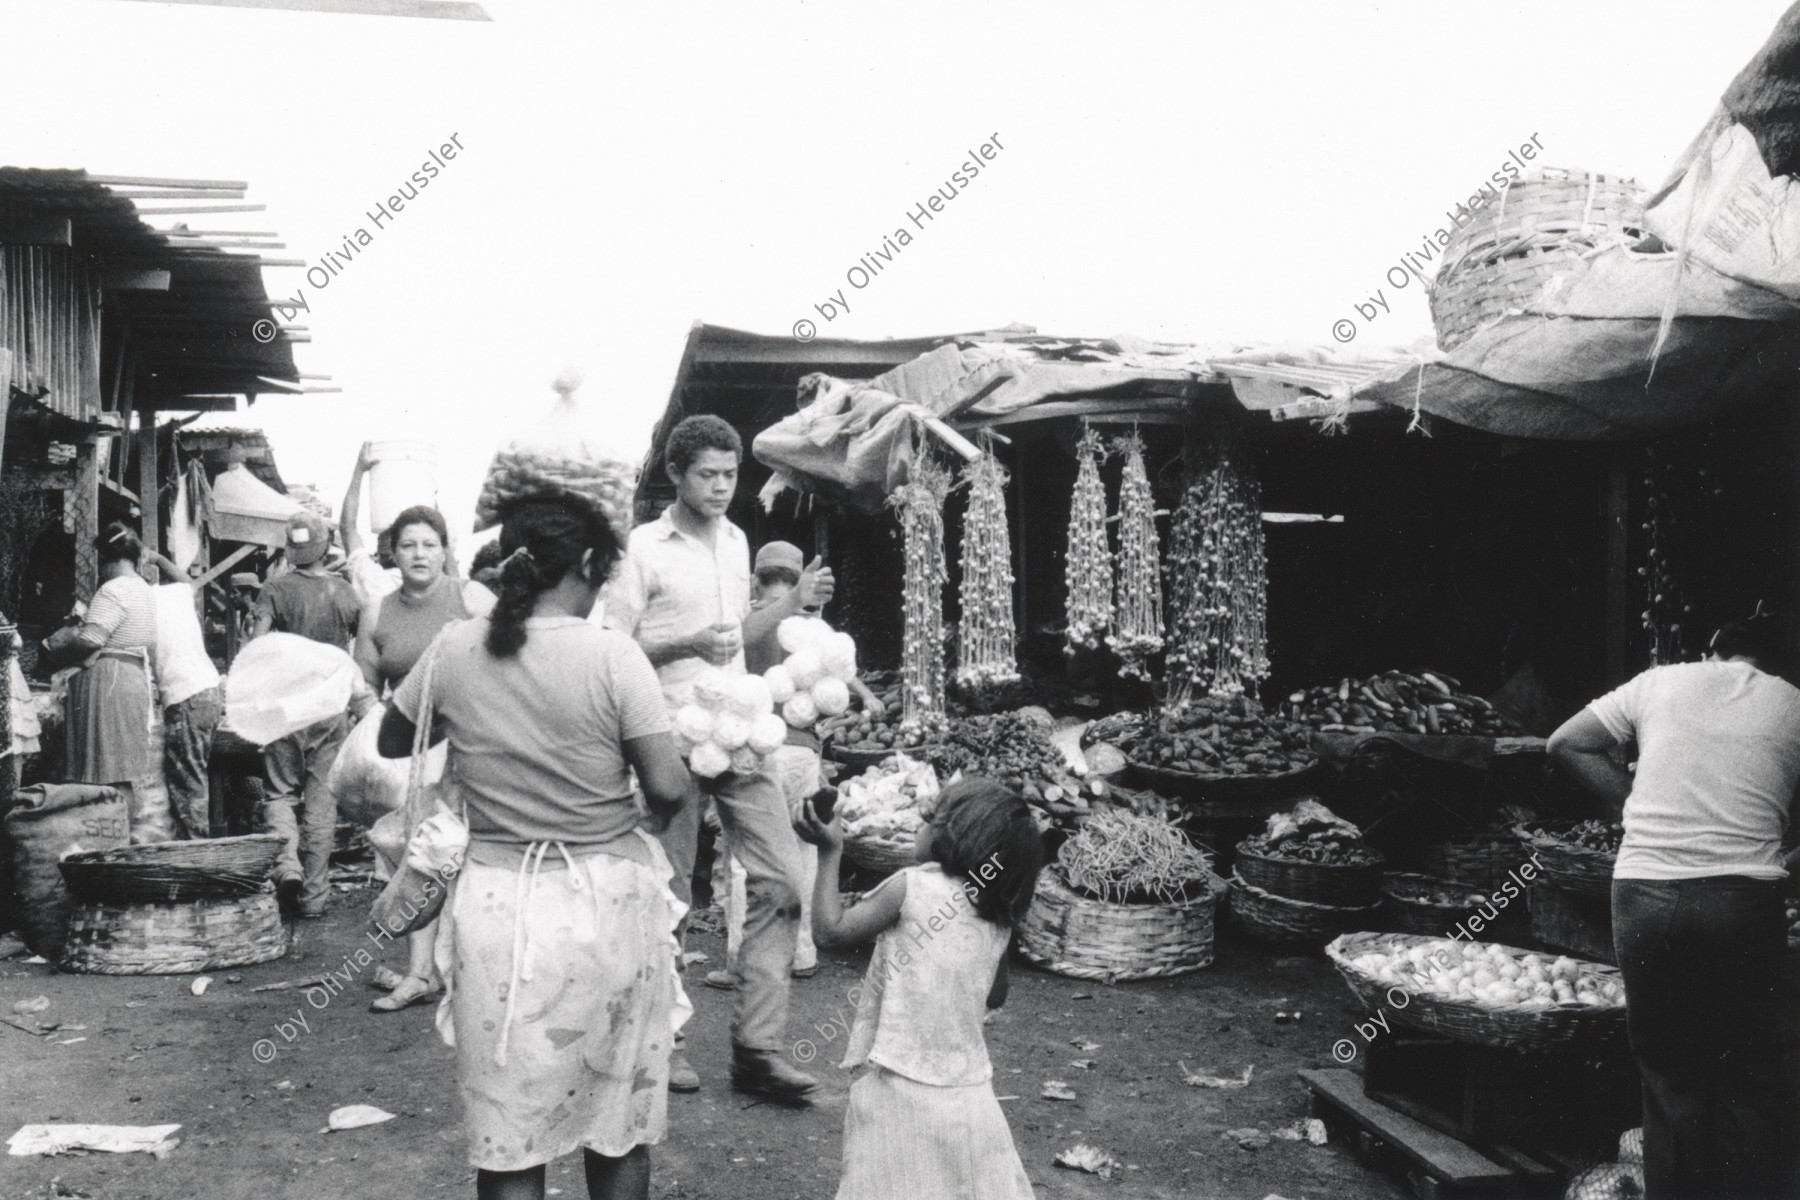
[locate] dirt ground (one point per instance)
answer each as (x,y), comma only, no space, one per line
(156,1054)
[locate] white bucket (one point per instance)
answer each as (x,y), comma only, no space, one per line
(403,474)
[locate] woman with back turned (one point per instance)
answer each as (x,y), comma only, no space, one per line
(1696,902)
(558,935)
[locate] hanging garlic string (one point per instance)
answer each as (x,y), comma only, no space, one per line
(986,635)
(921,504)
(1088,568)
(1218,578)
(1138,616)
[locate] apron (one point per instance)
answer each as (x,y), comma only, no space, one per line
(112,708)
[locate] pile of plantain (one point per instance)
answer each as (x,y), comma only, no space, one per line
(1425,702)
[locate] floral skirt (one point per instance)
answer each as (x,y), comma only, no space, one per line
(563,1002)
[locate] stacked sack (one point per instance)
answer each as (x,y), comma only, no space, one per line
(814,680)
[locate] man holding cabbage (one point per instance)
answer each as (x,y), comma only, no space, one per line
(683,593)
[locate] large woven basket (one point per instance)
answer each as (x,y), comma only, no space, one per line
(1408,914)
(1572,868)
(168,872)
(1071,934)
(1283,922)
(1481,860)
(1550,1028)
(1223,788)
(882,855)
(1343,884)
(174,939)
(1540,227)
(874,758)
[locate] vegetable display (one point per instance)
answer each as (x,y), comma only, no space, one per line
(813,682)
(921,505)
(1319,846)
(1017,751)
(1125,857)
(986,635)
(1138,612)
(1218,580)
(1424,702)
(1088,568)
(729,724)
(861,730)
(1221,736)
(1436,892)
(888,801)
(1605,837)
(1491,975)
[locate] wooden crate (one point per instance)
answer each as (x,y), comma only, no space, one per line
(1566,1109)
(1581,925)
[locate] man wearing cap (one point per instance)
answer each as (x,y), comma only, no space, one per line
(683,594)
(311,602)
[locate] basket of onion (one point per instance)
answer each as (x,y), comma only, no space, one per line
(1128,897)
(1485,993)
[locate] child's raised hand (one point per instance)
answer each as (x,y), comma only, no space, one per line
(828,835)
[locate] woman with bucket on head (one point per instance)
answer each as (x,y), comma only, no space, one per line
(558,934)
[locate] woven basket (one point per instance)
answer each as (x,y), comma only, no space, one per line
(1511,1028)
(1572,868)
(874,758)
(1406,914)
(1535,230)
(881,855)
(1224,787)
(1284,922)
(1481,860)
(168,872)
(174,939)
(1342,884)
(1071,934)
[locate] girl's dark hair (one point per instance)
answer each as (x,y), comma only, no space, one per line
(541,542)
(419,514)
(1758,636)
(486,559)
(981,823)
(117,543)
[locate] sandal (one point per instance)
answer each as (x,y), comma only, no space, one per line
(386,979)
(412,990)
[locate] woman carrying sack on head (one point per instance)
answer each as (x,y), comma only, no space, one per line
(558,934)
(391,637)
(111,697)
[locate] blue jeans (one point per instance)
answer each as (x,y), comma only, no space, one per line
(1703,962)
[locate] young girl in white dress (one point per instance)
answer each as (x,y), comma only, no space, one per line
(923,1120)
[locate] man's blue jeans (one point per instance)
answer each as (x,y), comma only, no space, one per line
(1703,962)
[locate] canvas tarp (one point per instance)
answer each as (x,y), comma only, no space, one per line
(245,509)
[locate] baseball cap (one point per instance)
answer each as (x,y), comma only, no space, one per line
(782,555)
(308,538)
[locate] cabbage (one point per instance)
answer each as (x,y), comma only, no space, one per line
(694,723)
(832,696)
(797,633)
(767,733)
(839,651)
(781,684)
(800,712)
(710,688)
(746,761)
(709,761)
(750,696)
(731,730)
(806,666)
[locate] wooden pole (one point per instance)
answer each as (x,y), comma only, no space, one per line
(150,515)
(1618,565)
(83,514)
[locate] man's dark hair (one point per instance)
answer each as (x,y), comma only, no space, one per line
(786,575)
(1759,637)
(695,434)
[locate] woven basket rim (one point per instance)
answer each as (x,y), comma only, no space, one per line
(1257,893)
(1393,877)
(1215,891)
(1246,778)
(1577,856)
(1336,952)
(141,853)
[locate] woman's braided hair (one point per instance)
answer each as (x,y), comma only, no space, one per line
(541,541)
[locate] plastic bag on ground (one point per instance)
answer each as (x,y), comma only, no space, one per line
(567,454)
(282,682)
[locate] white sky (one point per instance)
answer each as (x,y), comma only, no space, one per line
(1180,171)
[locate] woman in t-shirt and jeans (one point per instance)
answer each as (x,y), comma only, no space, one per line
(1697,904)
(558,936)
